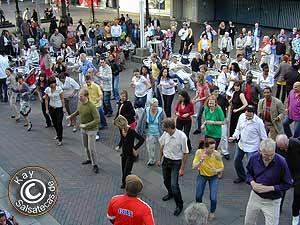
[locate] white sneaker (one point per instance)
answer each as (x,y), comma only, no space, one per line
(97,137)
(117,148)
(295,220)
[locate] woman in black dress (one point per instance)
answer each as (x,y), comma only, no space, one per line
(238,105)
(130,150)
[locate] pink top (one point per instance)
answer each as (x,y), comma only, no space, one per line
(294,106)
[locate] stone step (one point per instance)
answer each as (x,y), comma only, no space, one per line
(6,24)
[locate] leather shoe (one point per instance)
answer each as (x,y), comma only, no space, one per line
(86,162)
(177,211)
(238,180)
(96,169)
(122,186)
(167,197)
(227,157)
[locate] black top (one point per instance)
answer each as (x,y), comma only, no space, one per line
(196,63)
(236,101)
(292,157)
(223,103)
(222,31)
(127,143)
(291,77)
(100,50)
(280,48)
(127,111)
(115,67)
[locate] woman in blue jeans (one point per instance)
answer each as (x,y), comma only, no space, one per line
(209,163)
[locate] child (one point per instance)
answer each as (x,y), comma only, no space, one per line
(24,92)
(12,94)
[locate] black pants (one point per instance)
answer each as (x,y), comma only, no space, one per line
(279,91)
(233,122)
(296,200)
(57,115)
(185,126)
(288,89)
(168,99)
(170,170)
(127,164)
(3,89)
(47,117)
(181,46)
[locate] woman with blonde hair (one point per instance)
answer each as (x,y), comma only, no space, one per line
(150,126)
(130,150)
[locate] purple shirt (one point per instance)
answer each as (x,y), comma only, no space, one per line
(276,174)
(294,106)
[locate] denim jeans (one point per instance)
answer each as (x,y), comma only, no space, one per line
(103,122)
(287,130)
(175,76)
(213,190)
(199,115)
(278,59)
(170,170)
(143,100)
(115,80)
(238,162)
(106,102)
(157,94)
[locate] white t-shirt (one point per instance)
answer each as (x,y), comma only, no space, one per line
(140,86)
(174,146)
(69,87)
(167,87)
(3,65)
(54,97)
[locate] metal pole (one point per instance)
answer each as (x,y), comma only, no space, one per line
(142,23)
(118,9)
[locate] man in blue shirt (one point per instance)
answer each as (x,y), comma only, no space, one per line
(269,176)
(83,69)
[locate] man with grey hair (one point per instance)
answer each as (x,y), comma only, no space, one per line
(269,176)
(196,214)
(265,51)
(290,150)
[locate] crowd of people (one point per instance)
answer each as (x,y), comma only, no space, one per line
(236,106)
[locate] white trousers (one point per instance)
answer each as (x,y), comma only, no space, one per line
(224,139)
(152,144)
(270,209)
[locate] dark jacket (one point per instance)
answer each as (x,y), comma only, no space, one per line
(291,76)
(256,92)
(196,64)
(115,68)
(126,109)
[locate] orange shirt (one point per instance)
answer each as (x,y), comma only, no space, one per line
(127,210)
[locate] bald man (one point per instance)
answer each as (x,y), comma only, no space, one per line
(293,112)
(290,150)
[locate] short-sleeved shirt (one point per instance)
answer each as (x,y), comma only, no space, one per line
(167,87)
(94,93)
(213,130)
(174,146)
(140,87)
(129,210)
(54,97)
(209,162)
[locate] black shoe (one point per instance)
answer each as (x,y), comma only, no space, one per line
(197,132)
(109,115)
(122,186)
(95,169)
(167,197)
(12,116)
(238,180)
(227,157)
(1,100)
(86,162)
(5,100)
(178,210)
(47,126)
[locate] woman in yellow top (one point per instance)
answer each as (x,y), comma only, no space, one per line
(209,163)
(204,45)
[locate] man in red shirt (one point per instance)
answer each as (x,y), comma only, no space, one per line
(128,208)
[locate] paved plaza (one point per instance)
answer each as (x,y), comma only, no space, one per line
(83,195)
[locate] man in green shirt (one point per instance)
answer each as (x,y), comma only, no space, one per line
(89,123)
